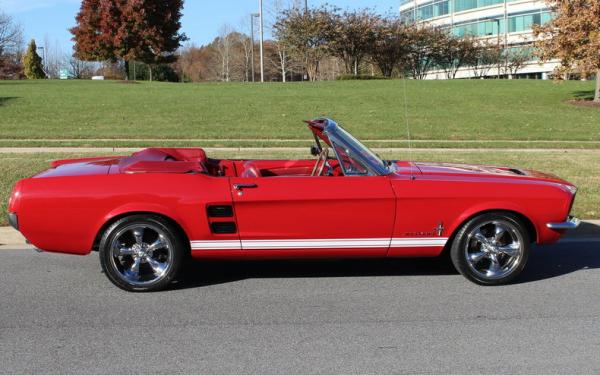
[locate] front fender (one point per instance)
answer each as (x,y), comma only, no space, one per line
(492,206)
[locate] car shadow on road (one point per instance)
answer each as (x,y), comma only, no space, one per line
(563,258)
(545,262)
(207,273)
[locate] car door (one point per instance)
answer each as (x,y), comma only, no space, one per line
(351,215)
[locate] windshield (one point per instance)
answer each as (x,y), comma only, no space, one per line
(355,157)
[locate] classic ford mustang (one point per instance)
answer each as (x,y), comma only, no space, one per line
(146,213)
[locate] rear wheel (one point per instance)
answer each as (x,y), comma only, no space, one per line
(491,249)
(141,253)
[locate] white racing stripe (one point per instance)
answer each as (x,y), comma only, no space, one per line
(216,245)
(418,242)
(330,243)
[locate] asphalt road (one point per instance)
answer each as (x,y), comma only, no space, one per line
(59,314)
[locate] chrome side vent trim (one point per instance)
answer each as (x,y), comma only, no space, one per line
(220,211)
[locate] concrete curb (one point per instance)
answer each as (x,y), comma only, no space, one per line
(9,236)
(587,229)
(100,150)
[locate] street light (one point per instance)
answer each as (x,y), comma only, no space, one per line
(497,20)
(262,67)
(44,58)
(252,16)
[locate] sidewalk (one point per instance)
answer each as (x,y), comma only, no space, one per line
(587,229)
(9,236)
(100,150)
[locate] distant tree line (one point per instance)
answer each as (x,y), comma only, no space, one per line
(329,43)
(141,39)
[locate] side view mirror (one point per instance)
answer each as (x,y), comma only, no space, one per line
(314,150)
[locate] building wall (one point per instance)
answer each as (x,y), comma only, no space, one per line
(506,22)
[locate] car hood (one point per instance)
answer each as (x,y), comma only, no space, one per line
(477,171)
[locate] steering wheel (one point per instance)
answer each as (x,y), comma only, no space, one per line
(321,162)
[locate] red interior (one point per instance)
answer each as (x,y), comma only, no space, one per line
(194,160)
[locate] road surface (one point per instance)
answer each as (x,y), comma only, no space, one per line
(59,314)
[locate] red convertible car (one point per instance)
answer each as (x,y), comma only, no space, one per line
(146,213)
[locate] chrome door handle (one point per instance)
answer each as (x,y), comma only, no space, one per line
(244,186)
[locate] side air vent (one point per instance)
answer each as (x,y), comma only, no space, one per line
(220,211)
(516,171)
(226,227)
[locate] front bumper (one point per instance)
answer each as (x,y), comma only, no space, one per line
(571,223)
(13,220)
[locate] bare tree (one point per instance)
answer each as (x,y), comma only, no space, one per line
(11,48)
(80,69)
(516,59)
(224,48)
(53,58)
(283,57)
(11,34)
(456,52)
(486,57)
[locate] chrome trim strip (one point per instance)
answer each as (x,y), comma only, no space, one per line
(333,243)
(571,223)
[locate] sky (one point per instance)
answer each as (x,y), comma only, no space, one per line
(202,19)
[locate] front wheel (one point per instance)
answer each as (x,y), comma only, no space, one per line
(141,253)
(491,249)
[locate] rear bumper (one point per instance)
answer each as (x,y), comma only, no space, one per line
(13,220)
(571,223)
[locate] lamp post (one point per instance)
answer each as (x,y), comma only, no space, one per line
(44,59)
(262,67)
(252,15)
(499,57)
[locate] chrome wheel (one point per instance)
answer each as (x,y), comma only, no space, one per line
(141,254)
(494,249)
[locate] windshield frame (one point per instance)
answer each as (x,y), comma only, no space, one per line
(355,150)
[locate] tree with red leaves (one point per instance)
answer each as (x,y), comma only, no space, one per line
(144,30)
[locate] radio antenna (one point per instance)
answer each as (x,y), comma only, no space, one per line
(412,177)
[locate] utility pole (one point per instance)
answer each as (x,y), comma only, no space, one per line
(499,50)
(262,67)
(44,62)
(305,6)
(252,16)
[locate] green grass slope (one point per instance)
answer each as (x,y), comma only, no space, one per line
(437,110)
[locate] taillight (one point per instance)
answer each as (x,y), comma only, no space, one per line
(15,197)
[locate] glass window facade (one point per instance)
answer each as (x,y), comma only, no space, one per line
(489,27)
(433,9)
(437,8)
(460,5)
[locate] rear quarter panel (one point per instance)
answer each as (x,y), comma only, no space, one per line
(64,214)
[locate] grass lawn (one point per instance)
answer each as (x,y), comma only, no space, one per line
(579,167)
(442,111)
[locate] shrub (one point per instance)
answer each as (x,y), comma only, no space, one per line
(351,77)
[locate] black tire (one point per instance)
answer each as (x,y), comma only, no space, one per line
(503,259)
(121,270)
